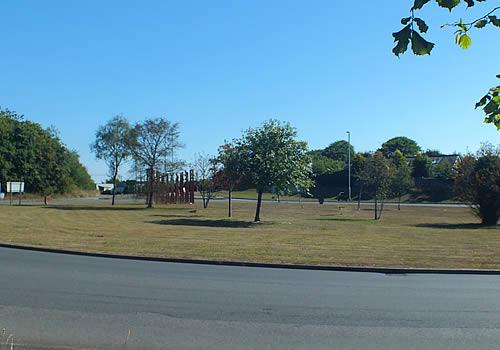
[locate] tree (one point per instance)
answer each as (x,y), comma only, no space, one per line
(379,174)
(323,169)
(273,158)
(433,153)
(491,101)
(206,169)
(37,156)
(443,170)
(338,151)
(406,145)
(231,173)
(402,181)
(422,166)
(151,141)
(477,183)
(77,174)
(360,173)
(112,144)
(53,174)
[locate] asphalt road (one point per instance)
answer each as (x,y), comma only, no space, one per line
(49,300)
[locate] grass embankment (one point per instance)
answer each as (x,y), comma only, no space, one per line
(290,233)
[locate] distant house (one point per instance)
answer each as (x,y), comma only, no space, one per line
(108,188)
(436,160)
(104,187)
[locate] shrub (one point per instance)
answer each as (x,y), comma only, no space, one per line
(477,183)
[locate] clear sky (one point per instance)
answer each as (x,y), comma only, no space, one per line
(219,67)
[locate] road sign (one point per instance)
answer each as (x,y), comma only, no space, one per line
(15,187)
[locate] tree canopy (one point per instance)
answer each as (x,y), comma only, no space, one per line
(37,156)
(404,144)
(477,183)
(112,144)
(273,158)
(151,143)
(338,151)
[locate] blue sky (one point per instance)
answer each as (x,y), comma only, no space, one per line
(220,67)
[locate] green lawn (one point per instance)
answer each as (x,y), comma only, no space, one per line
(290,233)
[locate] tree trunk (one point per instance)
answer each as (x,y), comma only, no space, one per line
(259,203)
(150,189)
(376,208)
(114,189)
(381,208)
(230,196)
(45,201)
(359,197)
(399,203)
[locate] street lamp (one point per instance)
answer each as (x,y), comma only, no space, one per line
(349,161)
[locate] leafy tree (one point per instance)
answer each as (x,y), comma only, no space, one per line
(273,158)
(231,173)
(206,170)
(77,174)
(443,170)
(52,178)
(338,151)
(379,173)
(360,173)
(322,165)
(415,26)
(402,181)
(477,183)
(37,156)
(406,145)
(422,166)
(152,141)
(111,144)
(491,105)
(433,153)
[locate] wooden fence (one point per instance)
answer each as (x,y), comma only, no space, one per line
(175,188)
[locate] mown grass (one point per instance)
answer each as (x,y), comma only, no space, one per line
(290,233)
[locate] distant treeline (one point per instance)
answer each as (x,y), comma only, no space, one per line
(35,155)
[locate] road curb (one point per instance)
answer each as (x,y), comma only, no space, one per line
(371,269)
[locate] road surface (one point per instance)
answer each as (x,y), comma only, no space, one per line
(77,302)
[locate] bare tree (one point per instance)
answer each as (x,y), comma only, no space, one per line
(206,168)
(153,140)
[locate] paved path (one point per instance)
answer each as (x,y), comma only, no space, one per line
(86,302)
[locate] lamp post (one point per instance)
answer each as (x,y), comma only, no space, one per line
(349,161)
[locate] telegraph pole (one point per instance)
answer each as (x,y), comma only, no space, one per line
(349,161)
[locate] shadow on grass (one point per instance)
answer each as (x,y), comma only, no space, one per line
(454,226)
(343,219)
(108,208)
(92,208)
(176,215)
(204,223)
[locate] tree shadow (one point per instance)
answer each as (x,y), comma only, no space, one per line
(204,223)
(109,208)
(343,219)
(469,226)
(176,215)
(92,208)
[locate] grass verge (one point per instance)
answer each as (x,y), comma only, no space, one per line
(290,233)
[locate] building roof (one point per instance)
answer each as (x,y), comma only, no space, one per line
(450,158)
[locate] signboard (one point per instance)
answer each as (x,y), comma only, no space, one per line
(15,187)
